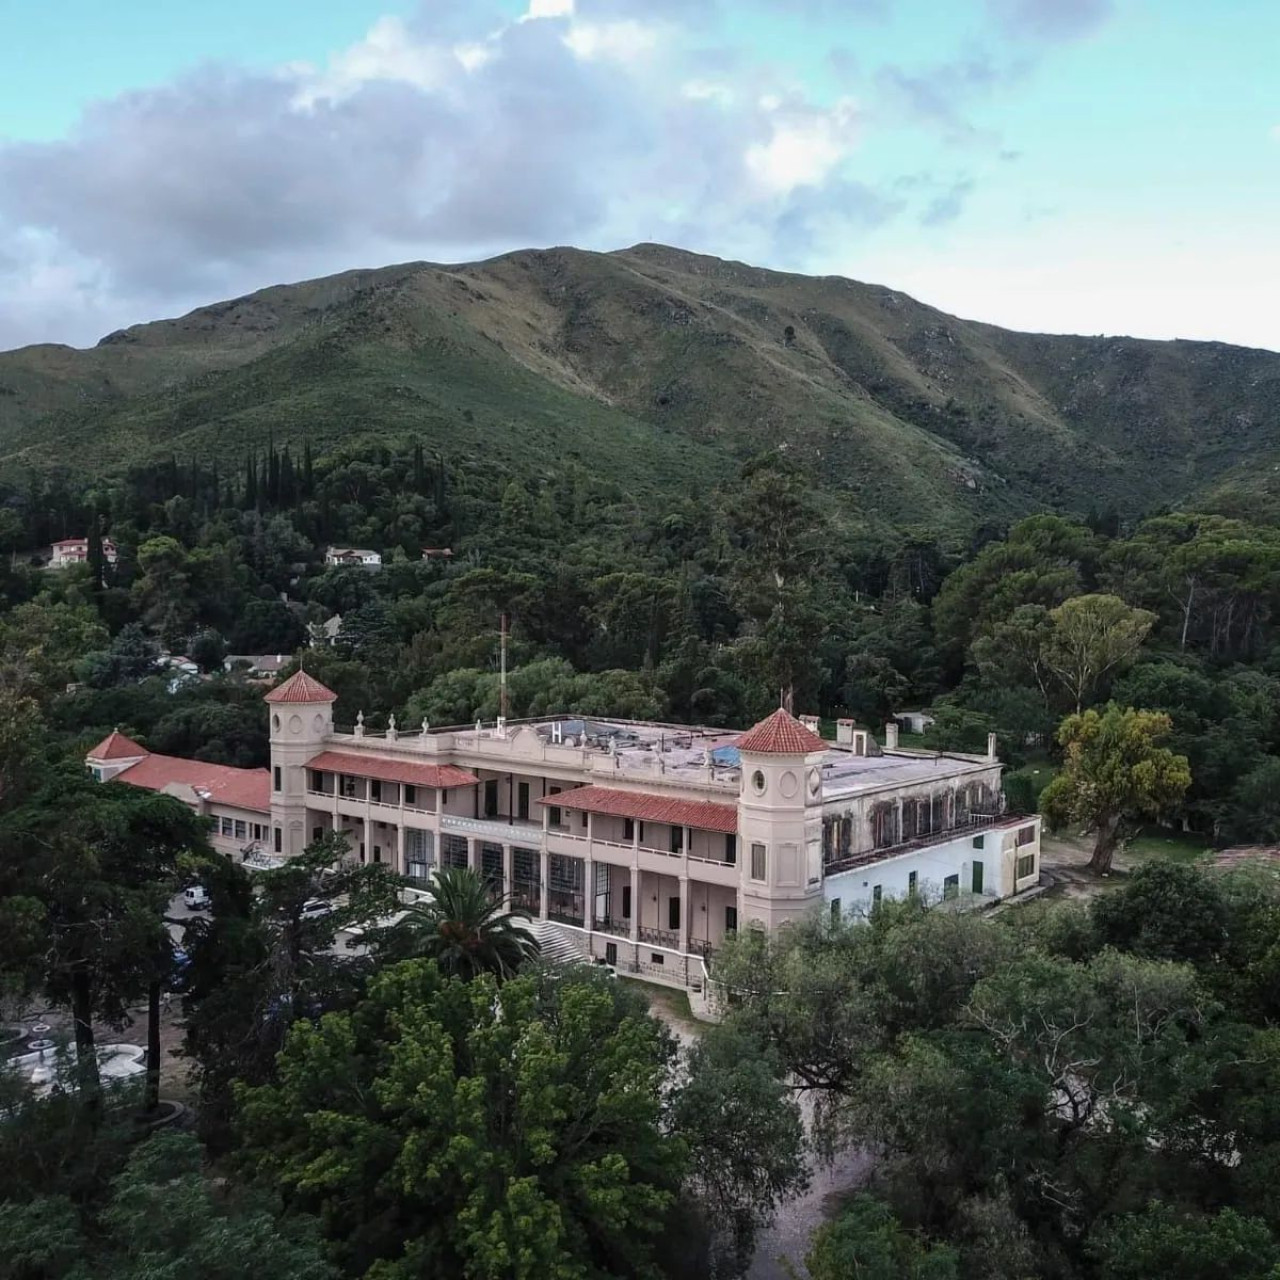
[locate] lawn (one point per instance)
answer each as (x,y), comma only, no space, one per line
(1163,843)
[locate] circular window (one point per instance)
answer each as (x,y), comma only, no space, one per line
(815,782)
(295,724)
(275,723)
(318,724)
(788,784)
(757,781)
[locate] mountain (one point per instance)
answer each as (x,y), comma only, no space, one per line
(661,368)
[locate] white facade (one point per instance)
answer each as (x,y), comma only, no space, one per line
(360,556)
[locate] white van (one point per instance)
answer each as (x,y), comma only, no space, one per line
(196,897)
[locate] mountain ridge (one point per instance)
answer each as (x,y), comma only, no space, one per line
(651,363)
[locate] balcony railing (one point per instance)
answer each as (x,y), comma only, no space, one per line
(660,938)
(618,928)
(974,825)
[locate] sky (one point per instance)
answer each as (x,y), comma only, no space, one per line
(1085,166)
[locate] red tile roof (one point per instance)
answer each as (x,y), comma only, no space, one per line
(239,788)
(115,746)
(648,808)
(781,734)
(301,687)
(385,770)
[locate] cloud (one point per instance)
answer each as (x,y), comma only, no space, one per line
(1050,20)
(947,205)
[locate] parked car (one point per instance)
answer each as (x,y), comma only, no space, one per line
(315,909)
(196,897)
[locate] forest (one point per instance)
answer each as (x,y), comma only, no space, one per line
(1083,1091)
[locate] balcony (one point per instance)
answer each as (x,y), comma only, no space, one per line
(976,824)
(660,938)
(618,928)
(498,830)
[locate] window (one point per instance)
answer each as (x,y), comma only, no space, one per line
(317,780)
(913,879)
(757,781)
(377,853)
(655,957)
(584,821)
(673,913)
(677,839)
(375,790)
(979,841)
(611,953)
(731,850)
(491,798)
(226,827)
(361,850)
(977,877)
(1026,835)
(257,831)
(242,829)
(877,892)
(1026,866)
(317,834)
(731,919)
(522,802)
(554,816)
(275,777)
(835,908)
(410,793)
(626,902)
(951,887)
(758,862)
(279,840)
(628,828)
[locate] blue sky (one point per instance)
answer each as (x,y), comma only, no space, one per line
(1099,166)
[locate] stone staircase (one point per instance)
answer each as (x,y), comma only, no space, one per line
(559,945)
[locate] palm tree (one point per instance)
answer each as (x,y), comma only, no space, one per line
(463,929)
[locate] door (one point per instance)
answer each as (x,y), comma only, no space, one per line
(977,877)
(522,802)
(673,914)
(731,919)
(491,798)
(611,954)
(626,902)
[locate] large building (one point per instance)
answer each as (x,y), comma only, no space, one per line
(651,841)
(644,843)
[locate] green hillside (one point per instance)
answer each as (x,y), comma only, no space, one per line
(653,366)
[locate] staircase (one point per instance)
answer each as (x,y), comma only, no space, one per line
(559,945)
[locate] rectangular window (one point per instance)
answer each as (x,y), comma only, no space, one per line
(226,827)
(641,829)
(1026,866)
(242,829)
(758,867)
(877,892)
(731,919)
(626,902)
(1026,835)
(677,839)
(611,953)
(979,841)
(377,853)
(554,817)
(951,887)
(673,913)
(275,777)
(375,790)
(317,780)
(655,957)
(279,840)
(522,802)
(913,878)
(584,821)
(628,828)
(977,877)
(731,850)
(410,793)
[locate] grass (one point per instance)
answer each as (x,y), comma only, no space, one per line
(668,1003)
(1159,843)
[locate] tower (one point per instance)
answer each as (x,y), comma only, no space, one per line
(301,711)
(780,820)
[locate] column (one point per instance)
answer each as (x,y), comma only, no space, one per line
(508,871)
(589,894)
(473,854)
(684,912)
(635,905)
(545,873)
(402,868)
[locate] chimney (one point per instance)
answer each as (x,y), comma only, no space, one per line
(844,732)
(811,723)
(992,754)
(891,735)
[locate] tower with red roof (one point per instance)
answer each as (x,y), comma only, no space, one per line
(301,720)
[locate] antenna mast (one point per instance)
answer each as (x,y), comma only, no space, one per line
(502,684)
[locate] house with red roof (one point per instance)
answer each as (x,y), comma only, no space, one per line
(236,801)
(76,551)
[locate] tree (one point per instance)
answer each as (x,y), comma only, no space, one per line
(97,865)
(451,1128)
(463,929)
(164,1219)
(868,1242)
(1166,912)
(1091,637)
(745,1138)
(1254,812)
(1162,1242)
(1114,775)
(131,656)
